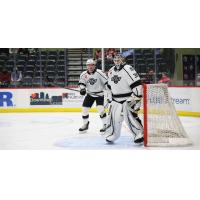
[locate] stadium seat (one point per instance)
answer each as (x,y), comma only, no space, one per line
(2,62)
(52,57)
(30,62)
(38,68)
(50,68)
(50,74)
(37,81)
(10,62)
(61,57)
(60,74)
(61,53)
(27,82)
(50,62)
(28,74)
(53,53)
(10,67)
(3,57)
(43,53)
(29,68)
(60,62)
(38,73)
(21,57)
(43,62)
(60,82)
(20,62)
(61,68)
(32,57)
(20,68)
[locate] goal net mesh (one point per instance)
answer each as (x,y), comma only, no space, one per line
(162,126)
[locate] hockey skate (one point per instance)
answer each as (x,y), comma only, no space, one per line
(103,129)
(109,142)
(139,138)
(84,128)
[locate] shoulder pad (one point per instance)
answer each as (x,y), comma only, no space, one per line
(129,68)
(111,69)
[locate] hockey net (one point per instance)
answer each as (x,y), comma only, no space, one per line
(162,126)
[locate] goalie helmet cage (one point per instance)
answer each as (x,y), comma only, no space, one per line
(162,126)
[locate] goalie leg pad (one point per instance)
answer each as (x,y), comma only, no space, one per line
(134,123)
(114,122)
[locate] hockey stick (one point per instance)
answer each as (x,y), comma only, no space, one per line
(105,106)
(92,93)
(71,89)
(76,90)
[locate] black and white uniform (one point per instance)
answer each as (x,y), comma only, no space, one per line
(124,84)
(95,84)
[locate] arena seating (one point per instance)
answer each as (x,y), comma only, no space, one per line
(51,65)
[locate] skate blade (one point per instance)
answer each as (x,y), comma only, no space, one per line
(102,132)
(139,141)
(109,142)
(82,132)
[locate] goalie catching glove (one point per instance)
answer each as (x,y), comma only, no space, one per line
(134,103)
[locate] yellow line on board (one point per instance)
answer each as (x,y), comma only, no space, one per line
(13,110)
(24,110)
(187,113)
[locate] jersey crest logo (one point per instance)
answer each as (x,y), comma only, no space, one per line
(92,81)
(116,79)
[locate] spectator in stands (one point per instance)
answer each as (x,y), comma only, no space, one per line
(4,78)
(13,50)
(108,64)
(97,58)
(150,77)
(16,77)
(97,55)
(33,50)
(4,51)
(110,53)
(24,51)
(165,79)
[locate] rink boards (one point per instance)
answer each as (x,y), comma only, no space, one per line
(185,100)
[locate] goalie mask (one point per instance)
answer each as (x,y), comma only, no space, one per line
(118,60)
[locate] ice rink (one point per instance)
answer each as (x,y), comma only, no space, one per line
(60,131)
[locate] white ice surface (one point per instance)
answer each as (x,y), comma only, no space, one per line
(60,131)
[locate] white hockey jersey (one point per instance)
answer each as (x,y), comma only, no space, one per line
(94,82)
(124,82)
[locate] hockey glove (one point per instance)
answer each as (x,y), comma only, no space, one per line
(83,91)
(107,103)
(133,105)
(137,105)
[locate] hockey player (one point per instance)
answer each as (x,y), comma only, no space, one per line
(92,83)
(126,90)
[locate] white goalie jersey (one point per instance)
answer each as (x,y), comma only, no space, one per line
(124,82)
(94,82)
